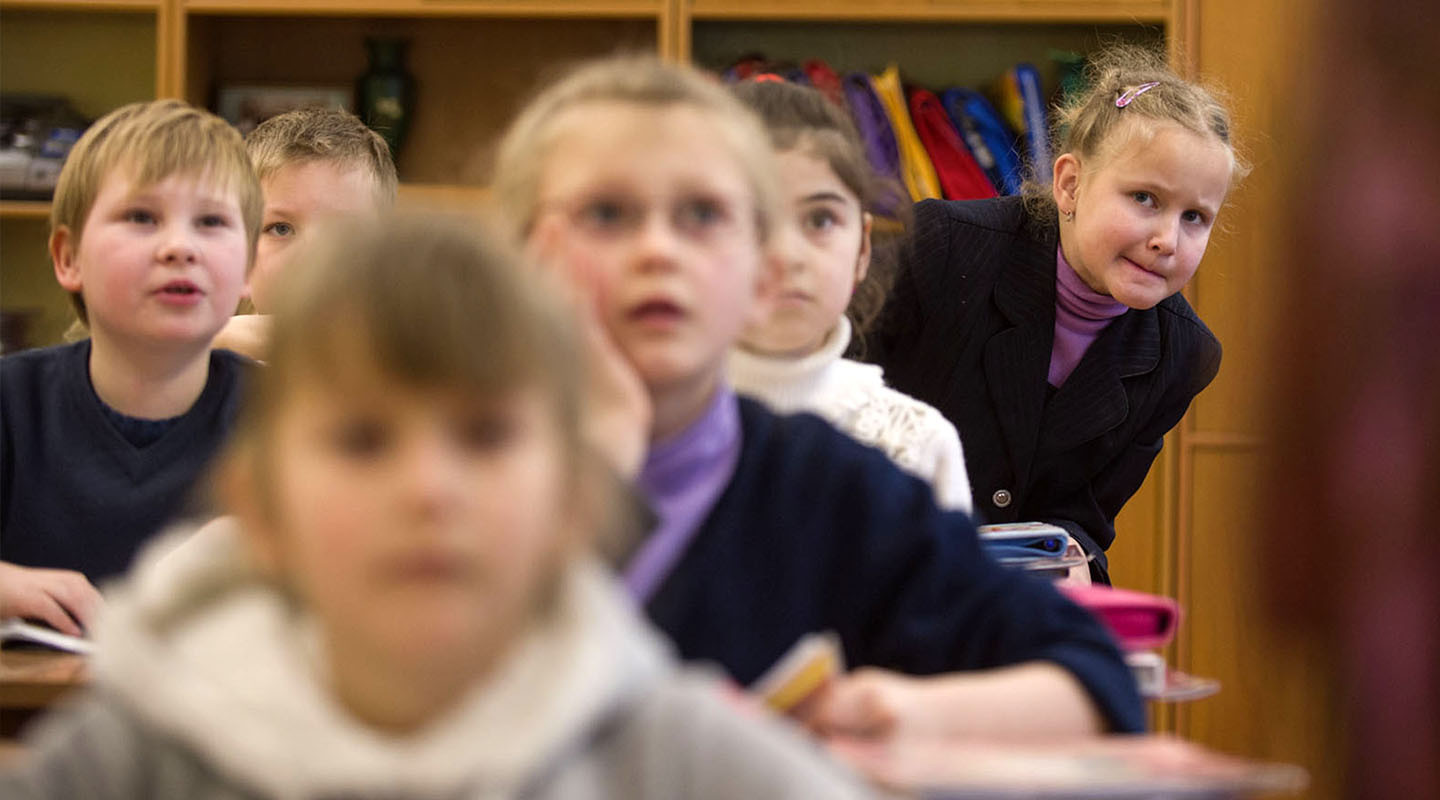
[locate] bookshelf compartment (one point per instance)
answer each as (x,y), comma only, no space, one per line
(934,55)
(100,60)
(472,74)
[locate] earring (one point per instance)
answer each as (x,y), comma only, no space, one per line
(1068,215)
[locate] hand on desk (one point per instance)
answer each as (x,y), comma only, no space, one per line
(875,707)
(62,598)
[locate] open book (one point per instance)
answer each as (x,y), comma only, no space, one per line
(18,630)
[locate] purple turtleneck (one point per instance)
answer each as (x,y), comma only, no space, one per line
(682,478)
(1081,313)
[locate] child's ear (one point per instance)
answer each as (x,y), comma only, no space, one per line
(862,264)
(62,255)
(1065,183)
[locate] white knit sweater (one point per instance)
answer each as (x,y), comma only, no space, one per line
(854,398)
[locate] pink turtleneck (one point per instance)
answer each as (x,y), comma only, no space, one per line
(1081,313)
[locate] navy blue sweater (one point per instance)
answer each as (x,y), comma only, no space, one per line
(74,493)
(816,532)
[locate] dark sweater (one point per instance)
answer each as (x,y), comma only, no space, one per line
(74,493)
(816,532)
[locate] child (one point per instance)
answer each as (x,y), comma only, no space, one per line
(1050,328)
(314,164)
(653,188)
(153,228)
(401,606)
(792,360)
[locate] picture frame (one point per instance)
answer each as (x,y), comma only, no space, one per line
(247,105)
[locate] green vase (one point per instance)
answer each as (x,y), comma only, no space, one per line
(385,94)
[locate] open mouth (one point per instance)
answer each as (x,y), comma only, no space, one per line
(180,289)
(657,311)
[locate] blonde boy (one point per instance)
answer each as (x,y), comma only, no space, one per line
(153,231)
(314,164)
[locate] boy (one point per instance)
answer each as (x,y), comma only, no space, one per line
(314,164)
(153,231)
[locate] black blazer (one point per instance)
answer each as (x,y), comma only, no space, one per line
(969,329)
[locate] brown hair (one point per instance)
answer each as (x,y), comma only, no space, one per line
(323,134)
(642,81)
(1091,126)
(151,141)
(800,118)
(432,303)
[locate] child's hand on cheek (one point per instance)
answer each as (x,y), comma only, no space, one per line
(618,411)
(246,334)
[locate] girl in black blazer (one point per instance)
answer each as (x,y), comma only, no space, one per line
(1049,328)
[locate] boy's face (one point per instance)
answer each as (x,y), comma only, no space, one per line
(418,525)
(650,212)
(162,264)
(298,197)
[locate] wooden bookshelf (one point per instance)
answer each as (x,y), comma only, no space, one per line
(24,209)
(1008,11)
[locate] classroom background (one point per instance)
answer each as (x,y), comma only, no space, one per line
(1191,531)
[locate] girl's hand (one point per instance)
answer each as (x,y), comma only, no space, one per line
(869,704)
(1021,701)
(59,597)
(618,412)
(1078,575)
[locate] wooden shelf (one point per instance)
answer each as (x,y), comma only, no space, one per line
(567,9)
(1017,11)
(412,196)
(103,6)
(24,209)
(443,197)
(472,74)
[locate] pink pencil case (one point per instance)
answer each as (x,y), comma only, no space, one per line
(1138,621)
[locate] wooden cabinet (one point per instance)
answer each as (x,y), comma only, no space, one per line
(100,55)
(475,61)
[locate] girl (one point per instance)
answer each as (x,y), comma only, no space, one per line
(400,607)
(792,360)
(653,189)
(1050,328)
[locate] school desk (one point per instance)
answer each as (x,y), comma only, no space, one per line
(33,680)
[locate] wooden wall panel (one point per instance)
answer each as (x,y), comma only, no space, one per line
(1277,698)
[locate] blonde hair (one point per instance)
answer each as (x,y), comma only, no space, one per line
(151,141)
(1091,126)
(642,81)
(430,303)
(323,134)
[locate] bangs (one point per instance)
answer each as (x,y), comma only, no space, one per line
(150,142)
(424,305)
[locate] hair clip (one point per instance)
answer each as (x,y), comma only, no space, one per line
(1127,97)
